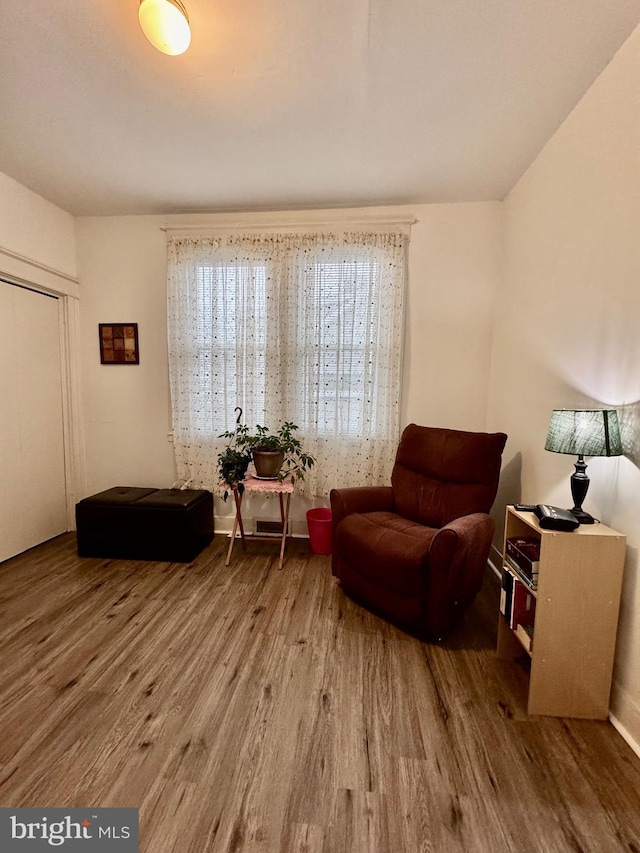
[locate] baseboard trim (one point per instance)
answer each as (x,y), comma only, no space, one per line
(497,572)
(626,735)
(624,707)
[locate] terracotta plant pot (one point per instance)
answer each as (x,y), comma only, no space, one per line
(268,463)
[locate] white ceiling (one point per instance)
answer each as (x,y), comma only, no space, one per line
(292,103)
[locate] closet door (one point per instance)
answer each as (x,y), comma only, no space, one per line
(32,474)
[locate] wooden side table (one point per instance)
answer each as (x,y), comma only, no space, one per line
(254,484)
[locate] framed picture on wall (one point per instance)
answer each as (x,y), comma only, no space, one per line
(119,343)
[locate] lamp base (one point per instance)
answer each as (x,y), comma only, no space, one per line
(581,516)
(579,488)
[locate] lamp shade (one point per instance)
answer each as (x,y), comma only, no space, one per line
(166,25)
(584,432)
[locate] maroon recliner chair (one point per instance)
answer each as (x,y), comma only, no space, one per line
(416,551)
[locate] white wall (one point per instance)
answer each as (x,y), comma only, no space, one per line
(567,329)
(122,265)
(453,273)
(35,229)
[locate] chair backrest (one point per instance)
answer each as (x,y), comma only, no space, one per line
(442,474)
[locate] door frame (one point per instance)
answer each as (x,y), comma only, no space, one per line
(24,272)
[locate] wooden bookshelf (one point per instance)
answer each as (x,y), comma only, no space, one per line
(576,619)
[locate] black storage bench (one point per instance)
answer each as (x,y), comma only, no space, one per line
(171,525)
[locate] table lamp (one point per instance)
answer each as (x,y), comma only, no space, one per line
(583,432)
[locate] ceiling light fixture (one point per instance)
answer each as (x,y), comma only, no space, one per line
(166,24)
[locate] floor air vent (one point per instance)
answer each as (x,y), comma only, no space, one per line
(268,527)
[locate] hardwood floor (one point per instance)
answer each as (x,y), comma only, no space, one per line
(246,709)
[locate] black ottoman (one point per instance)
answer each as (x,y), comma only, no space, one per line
(171,525)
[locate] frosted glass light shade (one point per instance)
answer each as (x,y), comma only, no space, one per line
(166,25)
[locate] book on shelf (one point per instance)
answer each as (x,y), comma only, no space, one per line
(517,601)
(506,594)
(524,551)
(531,581)
(525,635)
(523,605)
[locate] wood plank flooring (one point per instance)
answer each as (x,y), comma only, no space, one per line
(251,710)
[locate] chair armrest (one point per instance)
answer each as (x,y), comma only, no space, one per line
(463,544)
(455,566)
(361,499)
(478,524)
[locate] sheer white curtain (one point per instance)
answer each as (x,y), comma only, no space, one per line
(298,327)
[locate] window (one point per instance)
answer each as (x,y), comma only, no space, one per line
(231,308)
(337,332)
(288,327)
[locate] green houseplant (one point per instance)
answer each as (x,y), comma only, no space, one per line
(234,460)
(275,454)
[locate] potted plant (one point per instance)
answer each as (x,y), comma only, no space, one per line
(234,460)
(274,454)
